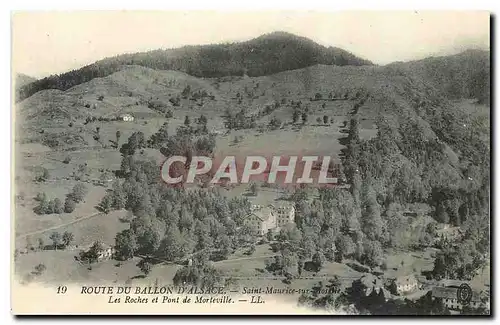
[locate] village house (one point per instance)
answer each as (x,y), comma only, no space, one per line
(449,233)
(404,284)
(106,253)
(127,117)
(261,220)
(448,296)
(285,215)
(265,218)
(374,285)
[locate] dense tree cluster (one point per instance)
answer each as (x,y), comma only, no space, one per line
(424,156)
(46,206)
(239,120)
(171,223)
(464,75)
(58,240)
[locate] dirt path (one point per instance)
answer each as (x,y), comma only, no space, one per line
(244,258)
(58,226)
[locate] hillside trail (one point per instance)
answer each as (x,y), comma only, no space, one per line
(244,258)
(95,214)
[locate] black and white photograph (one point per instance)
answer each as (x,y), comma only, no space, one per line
(259,163)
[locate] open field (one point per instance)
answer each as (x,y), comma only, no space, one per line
(410,262)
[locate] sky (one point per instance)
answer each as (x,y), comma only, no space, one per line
(45,43)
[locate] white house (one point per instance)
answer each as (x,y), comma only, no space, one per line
(405,284)
(127,117)
(265,218)
(106,253)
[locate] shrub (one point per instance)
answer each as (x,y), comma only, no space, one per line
(58,206)
(78,193)
(39,269)
(69,205)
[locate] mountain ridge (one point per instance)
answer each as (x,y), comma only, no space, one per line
(264,55)
(462,75)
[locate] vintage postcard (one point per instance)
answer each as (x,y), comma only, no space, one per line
(251,163)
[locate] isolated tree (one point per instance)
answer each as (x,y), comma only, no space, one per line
(56,239)
(186,92)
(318,96)
(40,268)
(202,120)
(41,244)
(106,203)
(304,118)
(43,176)
(295,116)
(118,135)
(69,205)
(67,238)
(325,119)
(58,206)
(250,250)
(176,101)
(78,193)
(50,207)
(125,244)
(318,120)
(187,121)
(41,196)
(145,267)
(43,204)
(254,189)
(92,255)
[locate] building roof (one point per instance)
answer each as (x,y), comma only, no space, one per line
(370,280)
(373,283)
(282,207)
(262,214)
(406,279)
